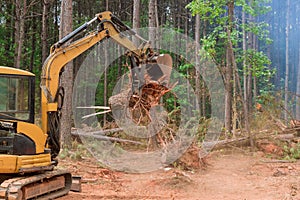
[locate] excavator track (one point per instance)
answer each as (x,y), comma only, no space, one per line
(48,185)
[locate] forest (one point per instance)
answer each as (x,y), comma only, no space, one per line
(148,99)
(254,44)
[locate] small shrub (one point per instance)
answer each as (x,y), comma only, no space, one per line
(292,152)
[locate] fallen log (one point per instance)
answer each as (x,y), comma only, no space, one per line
(103,137)
(101,132)
(291,130)
(284,137)
(222,143)
(95,107)
(278,123)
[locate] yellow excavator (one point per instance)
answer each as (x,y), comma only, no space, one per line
(28,153)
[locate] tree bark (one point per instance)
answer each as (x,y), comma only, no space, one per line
(45,48)
(67,75)
(234,104)
(298,90)
(248,101)
(286,83)
(157,25)
(198,84)
(245,71)
(203,89)
(254,82)
(21,10)
(33,44)
(8,46)
(136,19)
(249,76)
(106,57)
(152,23)
(229,71)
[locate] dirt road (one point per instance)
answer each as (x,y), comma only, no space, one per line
(228,176)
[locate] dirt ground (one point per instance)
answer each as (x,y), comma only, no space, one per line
(231,175)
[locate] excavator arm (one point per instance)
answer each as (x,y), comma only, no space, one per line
(60,55)
(109,26)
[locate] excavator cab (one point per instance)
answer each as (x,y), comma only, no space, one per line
(16,94)
(17,104)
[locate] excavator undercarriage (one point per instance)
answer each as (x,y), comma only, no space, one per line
(46,185)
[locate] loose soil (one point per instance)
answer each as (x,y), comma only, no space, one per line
(227,175)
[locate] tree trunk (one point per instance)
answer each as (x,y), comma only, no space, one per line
(228,93)
(152,37)
(231,64)
(255,92)
(234,105)
(157,25)
(33,44)
(17,31)
(245,71)
(203,89)
(198,84)
(45,50)
(152,23)
(248,101)
(21,10)
(105,74)
(118,46)
(286,83)
(298,90)
(8,46)
(228,99)
(136,19)
(67,75)
(228,72)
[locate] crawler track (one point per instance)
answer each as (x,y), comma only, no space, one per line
(48,185)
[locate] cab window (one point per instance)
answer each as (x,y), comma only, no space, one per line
(15,97)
